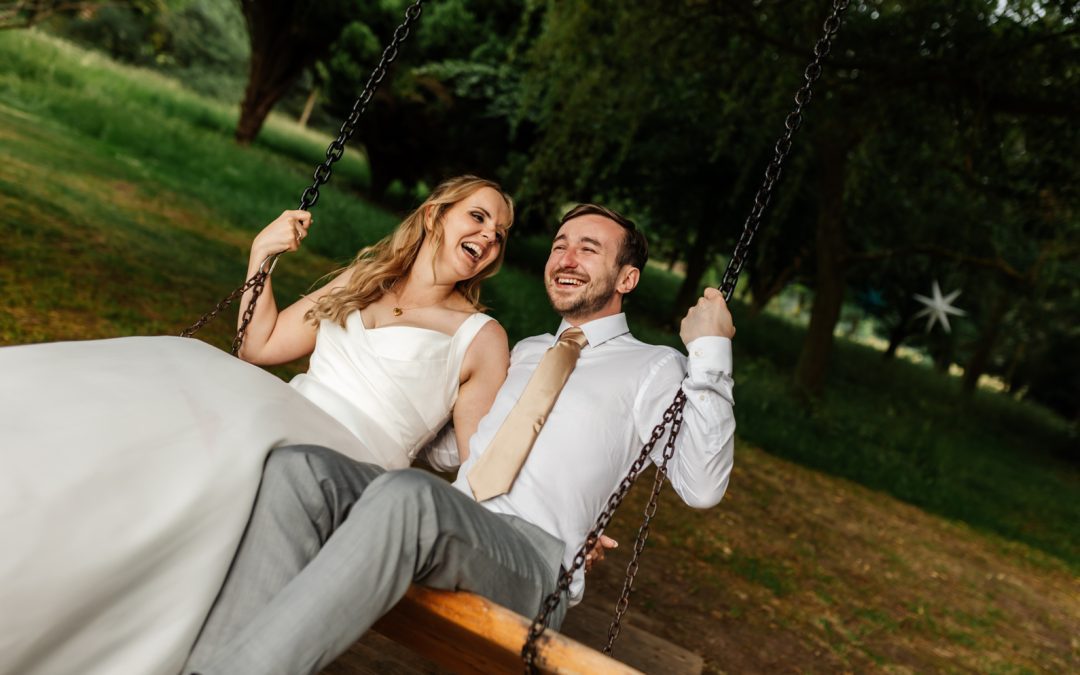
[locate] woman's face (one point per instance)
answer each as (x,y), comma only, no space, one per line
(474,230)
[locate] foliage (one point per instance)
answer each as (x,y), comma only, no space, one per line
(286,39)
(939,143)
(627,105)
(976,170)
(15,14)
(444,107)
(203,43)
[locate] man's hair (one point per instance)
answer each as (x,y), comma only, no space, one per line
(635,248)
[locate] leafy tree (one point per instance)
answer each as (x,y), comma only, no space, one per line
(627,103)
(28,13)
(628,107)
(203,43)
(443,108)
(286,39)
(962,64)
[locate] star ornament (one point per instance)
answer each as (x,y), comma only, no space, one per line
(939,308)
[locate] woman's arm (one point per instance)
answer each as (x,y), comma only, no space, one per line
(482,373)
(274,336)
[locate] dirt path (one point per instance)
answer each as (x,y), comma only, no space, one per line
(797,571)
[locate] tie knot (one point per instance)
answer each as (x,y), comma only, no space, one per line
(575,336)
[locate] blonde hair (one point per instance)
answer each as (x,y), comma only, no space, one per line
(378,267)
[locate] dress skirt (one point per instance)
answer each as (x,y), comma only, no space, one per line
(128,469)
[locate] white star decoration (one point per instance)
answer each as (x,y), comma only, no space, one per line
(939,308)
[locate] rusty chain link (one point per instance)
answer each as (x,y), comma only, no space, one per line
(310,196)
(643,532)
(256,282)
(674,414)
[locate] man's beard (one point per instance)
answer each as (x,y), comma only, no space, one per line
(593,300)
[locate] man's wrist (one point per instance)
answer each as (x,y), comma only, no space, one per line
(710,354)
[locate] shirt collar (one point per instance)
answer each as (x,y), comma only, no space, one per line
(599,331)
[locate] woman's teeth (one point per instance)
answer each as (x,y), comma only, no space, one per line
(472,249)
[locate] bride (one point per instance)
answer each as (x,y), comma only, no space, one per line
(129,466)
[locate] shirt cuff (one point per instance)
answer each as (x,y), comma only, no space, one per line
(709,356)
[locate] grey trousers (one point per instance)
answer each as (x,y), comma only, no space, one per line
(333,544)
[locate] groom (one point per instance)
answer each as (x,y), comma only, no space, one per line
(297,597)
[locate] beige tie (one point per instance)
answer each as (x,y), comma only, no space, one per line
(497,468)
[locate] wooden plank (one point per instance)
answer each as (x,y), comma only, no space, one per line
(453,640)
(471,635)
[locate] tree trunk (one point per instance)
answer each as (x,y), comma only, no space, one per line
(902,329)
(853,326)
(763,289)
(985,347)
(285,39)
(1014,363)
(698,260)
(269,79)
(943,357)
(673,259)
(897,336)
(309,105)
(831,277)
(254,110)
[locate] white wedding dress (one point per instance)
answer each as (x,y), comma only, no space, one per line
(128,468)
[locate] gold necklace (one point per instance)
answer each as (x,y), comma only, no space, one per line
(399,310)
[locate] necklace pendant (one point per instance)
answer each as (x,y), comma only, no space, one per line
(397,311)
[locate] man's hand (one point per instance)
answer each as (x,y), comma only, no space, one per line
(710,316)
(597,554)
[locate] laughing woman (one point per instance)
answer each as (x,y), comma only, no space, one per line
(128,467)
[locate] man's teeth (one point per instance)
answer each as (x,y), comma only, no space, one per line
(472,249)
(566,281)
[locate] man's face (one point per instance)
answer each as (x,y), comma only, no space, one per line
(583,280)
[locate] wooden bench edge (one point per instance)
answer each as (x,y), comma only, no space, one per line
(467,633)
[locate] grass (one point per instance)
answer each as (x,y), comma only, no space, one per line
(798,571)
(181,142)
(128,209)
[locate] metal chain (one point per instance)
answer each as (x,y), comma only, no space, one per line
(256,282)
(780,151)
(322,173)
(643,534)
(674,414)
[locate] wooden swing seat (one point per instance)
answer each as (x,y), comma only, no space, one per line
(466,633)
(434,632)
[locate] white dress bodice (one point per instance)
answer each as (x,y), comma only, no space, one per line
(394,386)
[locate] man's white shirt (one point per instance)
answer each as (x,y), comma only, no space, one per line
(608,409)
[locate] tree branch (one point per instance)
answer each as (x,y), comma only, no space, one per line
(998,264)
(937,72)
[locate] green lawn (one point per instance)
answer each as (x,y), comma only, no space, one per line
(128,209)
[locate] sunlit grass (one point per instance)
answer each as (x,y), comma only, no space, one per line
(158,130)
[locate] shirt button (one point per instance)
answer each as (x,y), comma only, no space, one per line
(697,352)
(701,397)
